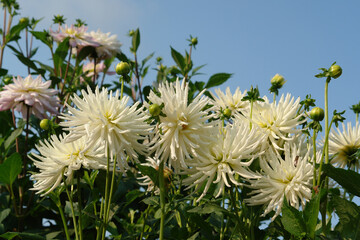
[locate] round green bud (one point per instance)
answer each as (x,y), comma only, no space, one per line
(154,110)
(335,71)
(131,33)
(227,113)
(278,80)
(122,68)
(194,41)
(317,114)
(159,59)
(24,20)
(45,124)
(7,80)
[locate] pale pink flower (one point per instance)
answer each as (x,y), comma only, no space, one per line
(100,67)
(29,92)
(77,35)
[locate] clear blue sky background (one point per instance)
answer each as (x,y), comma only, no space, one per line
(254,40)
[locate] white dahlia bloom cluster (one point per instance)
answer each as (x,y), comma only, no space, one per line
(101,127)
(230,101)
(28,93)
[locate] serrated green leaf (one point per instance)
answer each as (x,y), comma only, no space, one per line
(136,40)
(13,136)
(153,200)
(61,52)
(207,208)
(178,58)
(132,195)
(10,169)
(85,52)
(345,177)
(3,72)
(4,213)
(217,79)
(292,220)
(349,217)
(42,36)
(311,214)
(151,172)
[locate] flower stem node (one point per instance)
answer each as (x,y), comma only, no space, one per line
(317,114)
(335,71)
(154,110)
(227,113)
(45,124)
(122,68)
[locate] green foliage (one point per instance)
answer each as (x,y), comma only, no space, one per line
(10,169)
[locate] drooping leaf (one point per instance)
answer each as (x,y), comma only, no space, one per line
(151,172)
(3,72)
(217,79)
(10,169)
(42,36)
(85,52)
(292,220)
(345,177)
(13,136)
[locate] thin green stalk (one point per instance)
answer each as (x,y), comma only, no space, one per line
(106,193)
(79,206)
(326,122)
(111,190)
(251,112)
(314,160)
(274,97)
(66,230)
(162,199)
(222,229)
(357,117)
(122,87)
(72,208)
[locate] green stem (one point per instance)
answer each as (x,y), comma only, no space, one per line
(274,97)
(314,159)
(106,193)
(162,199)
(79,206)
(251,112)
(72,207)
(326,122)
(63,220)
(111,190)
(122,87)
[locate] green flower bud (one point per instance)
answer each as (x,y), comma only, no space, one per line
(317,114)
(154,110)
(24,20)
(227,113)
(131,33)
(45,124)
(122,68)
(335,71)
(278,80)
(158,59)
(194,41)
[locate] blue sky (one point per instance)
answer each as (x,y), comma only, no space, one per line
(254,40)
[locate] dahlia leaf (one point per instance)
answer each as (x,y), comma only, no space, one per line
(10,169)
(292,220)
(217,79)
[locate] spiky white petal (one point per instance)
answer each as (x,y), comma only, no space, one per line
(29,92)
(231,101)
(231,152)
(185,126)
(343,144)
(278,121)
(105,118)
(290,176)
(57,158)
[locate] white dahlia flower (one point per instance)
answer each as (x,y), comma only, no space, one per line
(344,144)
(290,176)
(184,128)
(105,118)
(278,121)
(108,46)
(57,158)
(29,92)
(230,101)
(231,152)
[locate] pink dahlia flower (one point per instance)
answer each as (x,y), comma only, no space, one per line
(77,35)
(29,92)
